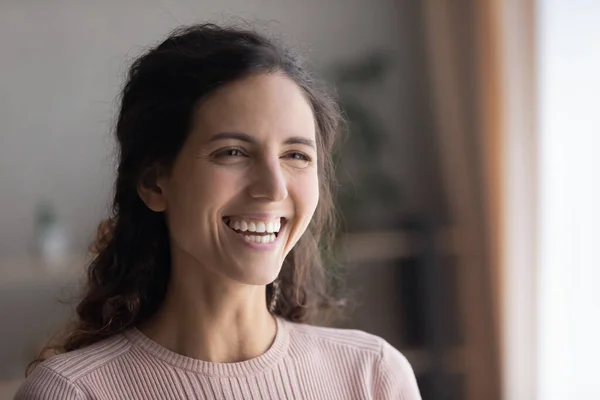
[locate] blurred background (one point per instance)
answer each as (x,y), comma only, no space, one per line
(468,181)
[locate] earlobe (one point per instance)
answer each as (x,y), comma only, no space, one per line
(152,191)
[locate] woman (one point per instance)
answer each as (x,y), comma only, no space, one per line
(210,267)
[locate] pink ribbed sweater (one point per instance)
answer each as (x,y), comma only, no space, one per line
(304,362)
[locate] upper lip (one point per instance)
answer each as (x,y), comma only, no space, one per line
(256,216)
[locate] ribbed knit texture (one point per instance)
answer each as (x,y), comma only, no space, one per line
(304,362)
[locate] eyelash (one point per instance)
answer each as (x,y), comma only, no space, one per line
(303,156)
(226,153)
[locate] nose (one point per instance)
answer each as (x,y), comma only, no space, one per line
(269,181)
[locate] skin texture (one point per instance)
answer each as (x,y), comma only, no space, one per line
(250,155)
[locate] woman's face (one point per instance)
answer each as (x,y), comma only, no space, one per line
(244,187)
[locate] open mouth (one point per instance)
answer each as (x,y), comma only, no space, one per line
(256,231)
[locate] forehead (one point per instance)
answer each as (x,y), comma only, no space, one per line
(265,104)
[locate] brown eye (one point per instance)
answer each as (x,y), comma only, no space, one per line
(229,153)
(298,159)
(233,153)
(299,156)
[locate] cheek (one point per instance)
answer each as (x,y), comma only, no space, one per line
(307,197)
(194,202)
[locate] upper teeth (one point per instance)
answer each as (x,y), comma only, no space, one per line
(270,226)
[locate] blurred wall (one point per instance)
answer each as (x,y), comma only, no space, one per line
(62,65)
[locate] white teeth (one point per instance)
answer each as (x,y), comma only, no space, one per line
(260,239)
(272,226)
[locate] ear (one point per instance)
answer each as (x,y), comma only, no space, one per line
(152,189)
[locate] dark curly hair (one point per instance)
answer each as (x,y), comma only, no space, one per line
(127,278)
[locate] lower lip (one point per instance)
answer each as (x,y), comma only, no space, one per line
(253,245)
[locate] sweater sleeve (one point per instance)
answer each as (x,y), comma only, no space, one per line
(395,378)
(46,384)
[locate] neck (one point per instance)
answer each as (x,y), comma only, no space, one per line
(214,320)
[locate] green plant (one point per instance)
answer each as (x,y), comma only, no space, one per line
(364,184)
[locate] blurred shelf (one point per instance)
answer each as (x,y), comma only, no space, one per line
(20,271)
(419,360)
(8,389)
(365,247)
(454,360)
(375,246)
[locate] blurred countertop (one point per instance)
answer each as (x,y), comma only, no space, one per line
(8,388)
(28,269)
(35,300)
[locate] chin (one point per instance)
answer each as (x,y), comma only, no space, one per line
(256,275)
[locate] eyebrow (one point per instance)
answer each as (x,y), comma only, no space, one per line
(244,137)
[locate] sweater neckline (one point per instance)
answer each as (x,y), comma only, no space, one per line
(255,365)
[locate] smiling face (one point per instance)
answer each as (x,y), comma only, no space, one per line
(244,187)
